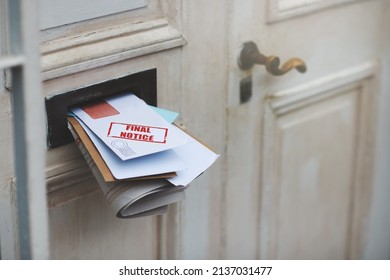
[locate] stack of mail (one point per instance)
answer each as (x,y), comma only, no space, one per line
(142,162)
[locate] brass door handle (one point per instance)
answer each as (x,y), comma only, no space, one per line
(250,55)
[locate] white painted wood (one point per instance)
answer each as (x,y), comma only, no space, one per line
(285,100)
(176,236)
(325,172)
(379,224)
(202,99)
(88,229)
(23,197)
(77,192)
(29,139)
(290,4)
(242,191)
(284,9)
(275,149)
(11,61)
(84,51)
(85,38)
(296,128)
(8,215)
(55,13)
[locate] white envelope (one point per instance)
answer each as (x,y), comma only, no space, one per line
(129,127)
(157,163)
(197,158)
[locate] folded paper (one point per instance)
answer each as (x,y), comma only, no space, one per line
(129,127)
(151,177)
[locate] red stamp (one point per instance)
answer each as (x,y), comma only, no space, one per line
(138,132)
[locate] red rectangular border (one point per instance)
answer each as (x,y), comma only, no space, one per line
(155,127)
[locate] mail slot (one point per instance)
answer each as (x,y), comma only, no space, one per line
(142,84)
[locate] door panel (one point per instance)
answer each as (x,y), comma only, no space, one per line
(311,176)
(300,152)
(314,173)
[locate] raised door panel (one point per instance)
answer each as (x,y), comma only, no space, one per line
(315,149)
(315,183)
(284,9)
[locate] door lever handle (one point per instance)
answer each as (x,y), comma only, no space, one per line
(250,55)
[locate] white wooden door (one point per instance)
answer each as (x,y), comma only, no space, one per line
(298,176)
(303,178)
(301,175)
(304,163)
